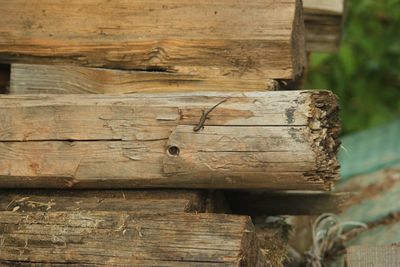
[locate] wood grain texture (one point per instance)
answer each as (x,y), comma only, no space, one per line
(286,203)
(265,140)
(127,239)
(257,39)
(324,24)
(373,256)
(138,201)
(52,79)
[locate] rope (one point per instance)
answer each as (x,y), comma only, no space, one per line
(327,231)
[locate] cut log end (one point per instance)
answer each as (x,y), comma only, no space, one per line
(325,131)
(249,256)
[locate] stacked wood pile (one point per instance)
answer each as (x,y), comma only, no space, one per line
(324,22)
(125,122)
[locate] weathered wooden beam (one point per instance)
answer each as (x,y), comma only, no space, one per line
(241,40)
(52,79)
(374,256)
(272,238)
(324,23)
(265,140)
(127,239)
(286,203)
(139,201)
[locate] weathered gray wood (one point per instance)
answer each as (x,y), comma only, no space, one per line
(286,203)
(270,140)
(240,40)
(373,256)
(127,239)
(139,201)
(324,23)
(52,79)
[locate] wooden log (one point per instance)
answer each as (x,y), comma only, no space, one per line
(286,203)
(4,78)
(263,140)
(373,256)
(127,239)
(241,40)
(51,79)
(139,201)
(324,23)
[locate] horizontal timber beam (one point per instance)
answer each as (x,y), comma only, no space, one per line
(78,238)
(139,201)
(283,140)
(246,40)
(53,79)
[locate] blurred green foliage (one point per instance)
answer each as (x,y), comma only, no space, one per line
(365,74)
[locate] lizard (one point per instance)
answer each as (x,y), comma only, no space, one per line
(204,117)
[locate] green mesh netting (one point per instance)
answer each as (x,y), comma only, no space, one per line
(370,150)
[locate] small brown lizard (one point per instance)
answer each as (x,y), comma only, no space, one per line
(204,117)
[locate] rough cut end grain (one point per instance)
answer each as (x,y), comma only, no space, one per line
(325,128)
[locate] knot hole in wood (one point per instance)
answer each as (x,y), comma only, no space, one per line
(173,151)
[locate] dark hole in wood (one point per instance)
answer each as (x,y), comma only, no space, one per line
(173,150)
(5,72)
